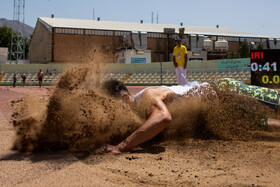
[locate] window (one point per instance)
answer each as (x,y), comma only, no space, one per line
(156,35)
(256,40)
(106,33)
(68,31)
(122,33)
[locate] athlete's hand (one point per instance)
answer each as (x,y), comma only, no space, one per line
(111,149)
(105,148)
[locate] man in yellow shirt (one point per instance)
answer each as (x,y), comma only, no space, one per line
(180,59)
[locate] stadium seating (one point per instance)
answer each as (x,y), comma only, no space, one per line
(169,78)
(134,79)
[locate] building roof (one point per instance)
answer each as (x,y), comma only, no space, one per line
(143,27)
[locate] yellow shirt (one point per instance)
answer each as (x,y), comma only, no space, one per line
(179,53)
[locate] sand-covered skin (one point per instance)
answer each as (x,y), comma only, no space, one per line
(192,162)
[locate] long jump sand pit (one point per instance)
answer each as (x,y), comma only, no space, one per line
(164,161)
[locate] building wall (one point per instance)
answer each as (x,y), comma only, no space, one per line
(158,47)
(118,42)
(233,46)
(40,50)
(82,48)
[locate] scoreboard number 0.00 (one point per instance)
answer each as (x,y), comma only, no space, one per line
(275,79)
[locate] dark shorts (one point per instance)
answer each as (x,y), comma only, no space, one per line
(40,78)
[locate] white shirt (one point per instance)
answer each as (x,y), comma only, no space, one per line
(180,90)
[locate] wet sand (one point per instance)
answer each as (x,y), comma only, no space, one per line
(192,162)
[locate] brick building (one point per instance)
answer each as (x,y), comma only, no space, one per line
(69,40)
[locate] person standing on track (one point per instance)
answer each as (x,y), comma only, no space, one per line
(40,77)
(180,59)
(14,80)
(23,79)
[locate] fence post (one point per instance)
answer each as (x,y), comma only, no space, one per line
(160,69)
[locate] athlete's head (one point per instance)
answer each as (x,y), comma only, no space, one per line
(178,41)
(117,89)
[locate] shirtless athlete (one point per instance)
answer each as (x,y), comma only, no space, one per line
(158,116)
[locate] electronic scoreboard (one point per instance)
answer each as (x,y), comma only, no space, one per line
(265,68)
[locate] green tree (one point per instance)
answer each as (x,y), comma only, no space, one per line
(234,55)
(244,50)
(260,46)
(27,44)
(6,37)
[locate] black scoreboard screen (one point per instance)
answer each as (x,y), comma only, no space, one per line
(265,68)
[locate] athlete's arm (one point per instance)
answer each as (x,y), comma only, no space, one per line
(159,118)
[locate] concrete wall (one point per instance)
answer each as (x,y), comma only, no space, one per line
(3,55)
(166,66)
(234,63)
(208,65)
(40,50)
(211,65)
(128,56)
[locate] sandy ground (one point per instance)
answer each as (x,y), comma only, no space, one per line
(189,163)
